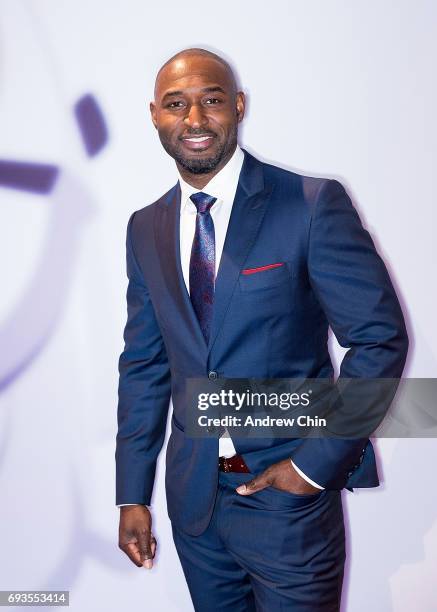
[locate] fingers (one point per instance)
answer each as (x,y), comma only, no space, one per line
(153,545)
(254,485)
(141,550)
(133,552)
(144,546)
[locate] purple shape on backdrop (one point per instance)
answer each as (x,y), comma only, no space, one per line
(28,176)
(91,124)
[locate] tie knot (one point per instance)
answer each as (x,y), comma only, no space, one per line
(202,201)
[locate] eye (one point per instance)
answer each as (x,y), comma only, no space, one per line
(212,101)
(175,104)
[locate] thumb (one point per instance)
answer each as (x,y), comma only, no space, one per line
(146,555)
(254,485)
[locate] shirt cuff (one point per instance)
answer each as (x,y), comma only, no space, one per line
(121,505)
(305,477)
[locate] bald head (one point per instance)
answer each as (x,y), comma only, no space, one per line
(184,56)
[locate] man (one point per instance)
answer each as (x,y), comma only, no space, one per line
(237,272)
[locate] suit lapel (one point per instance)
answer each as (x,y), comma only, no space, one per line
(247,213)
(248,210)
(167,229)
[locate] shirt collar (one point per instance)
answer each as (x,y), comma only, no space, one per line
(222,186)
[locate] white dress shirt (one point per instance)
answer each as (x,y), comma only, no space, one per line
(222,186)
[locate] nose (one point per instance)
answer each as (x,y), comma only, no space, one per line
(195,117)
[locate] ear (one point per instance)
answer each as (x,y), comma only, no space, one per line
(240,105)
(153,114)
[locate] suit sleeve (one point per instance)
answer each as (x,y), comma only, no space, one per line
(354,289)
(144,391)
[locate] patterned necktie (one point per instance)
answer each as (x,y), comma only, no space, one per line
(202,262)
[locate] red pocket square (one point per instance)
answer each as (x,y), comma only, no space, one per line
(262,268)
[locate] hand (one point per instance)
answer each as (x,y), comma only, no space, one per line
(281,475)
(135,535)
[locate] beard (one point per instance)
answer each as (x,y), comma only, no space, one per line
(201,165)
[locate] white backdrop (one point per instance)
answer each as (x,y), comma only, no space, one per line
(341,89)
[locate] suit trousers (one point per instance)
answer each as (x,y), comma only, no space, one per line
(267,552)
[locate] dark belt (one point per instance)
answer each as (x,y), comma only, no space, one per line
(233,464)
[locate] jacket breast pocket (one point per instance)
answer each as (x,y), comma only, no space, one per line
(264,277)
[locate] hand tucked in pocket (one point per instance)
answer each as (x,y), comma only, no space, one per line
(281,475)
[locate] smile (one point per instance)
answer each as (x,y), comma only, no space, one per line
(198,143)
(198,138)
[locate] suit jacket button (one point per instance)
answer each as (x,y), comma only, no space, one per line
(212,375)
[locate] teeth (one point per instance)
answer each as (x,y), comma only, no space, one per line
(198,138)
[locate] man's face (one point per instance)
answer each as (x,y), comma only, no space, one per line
(196,112)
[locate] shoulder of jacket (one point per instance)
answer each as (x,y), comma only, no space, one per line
(146,211)
(297,184)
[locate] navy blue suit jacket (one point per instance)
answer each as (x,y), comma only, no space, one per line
(271,324)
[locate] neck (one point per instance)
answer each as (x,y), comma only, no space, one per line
(200,180)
